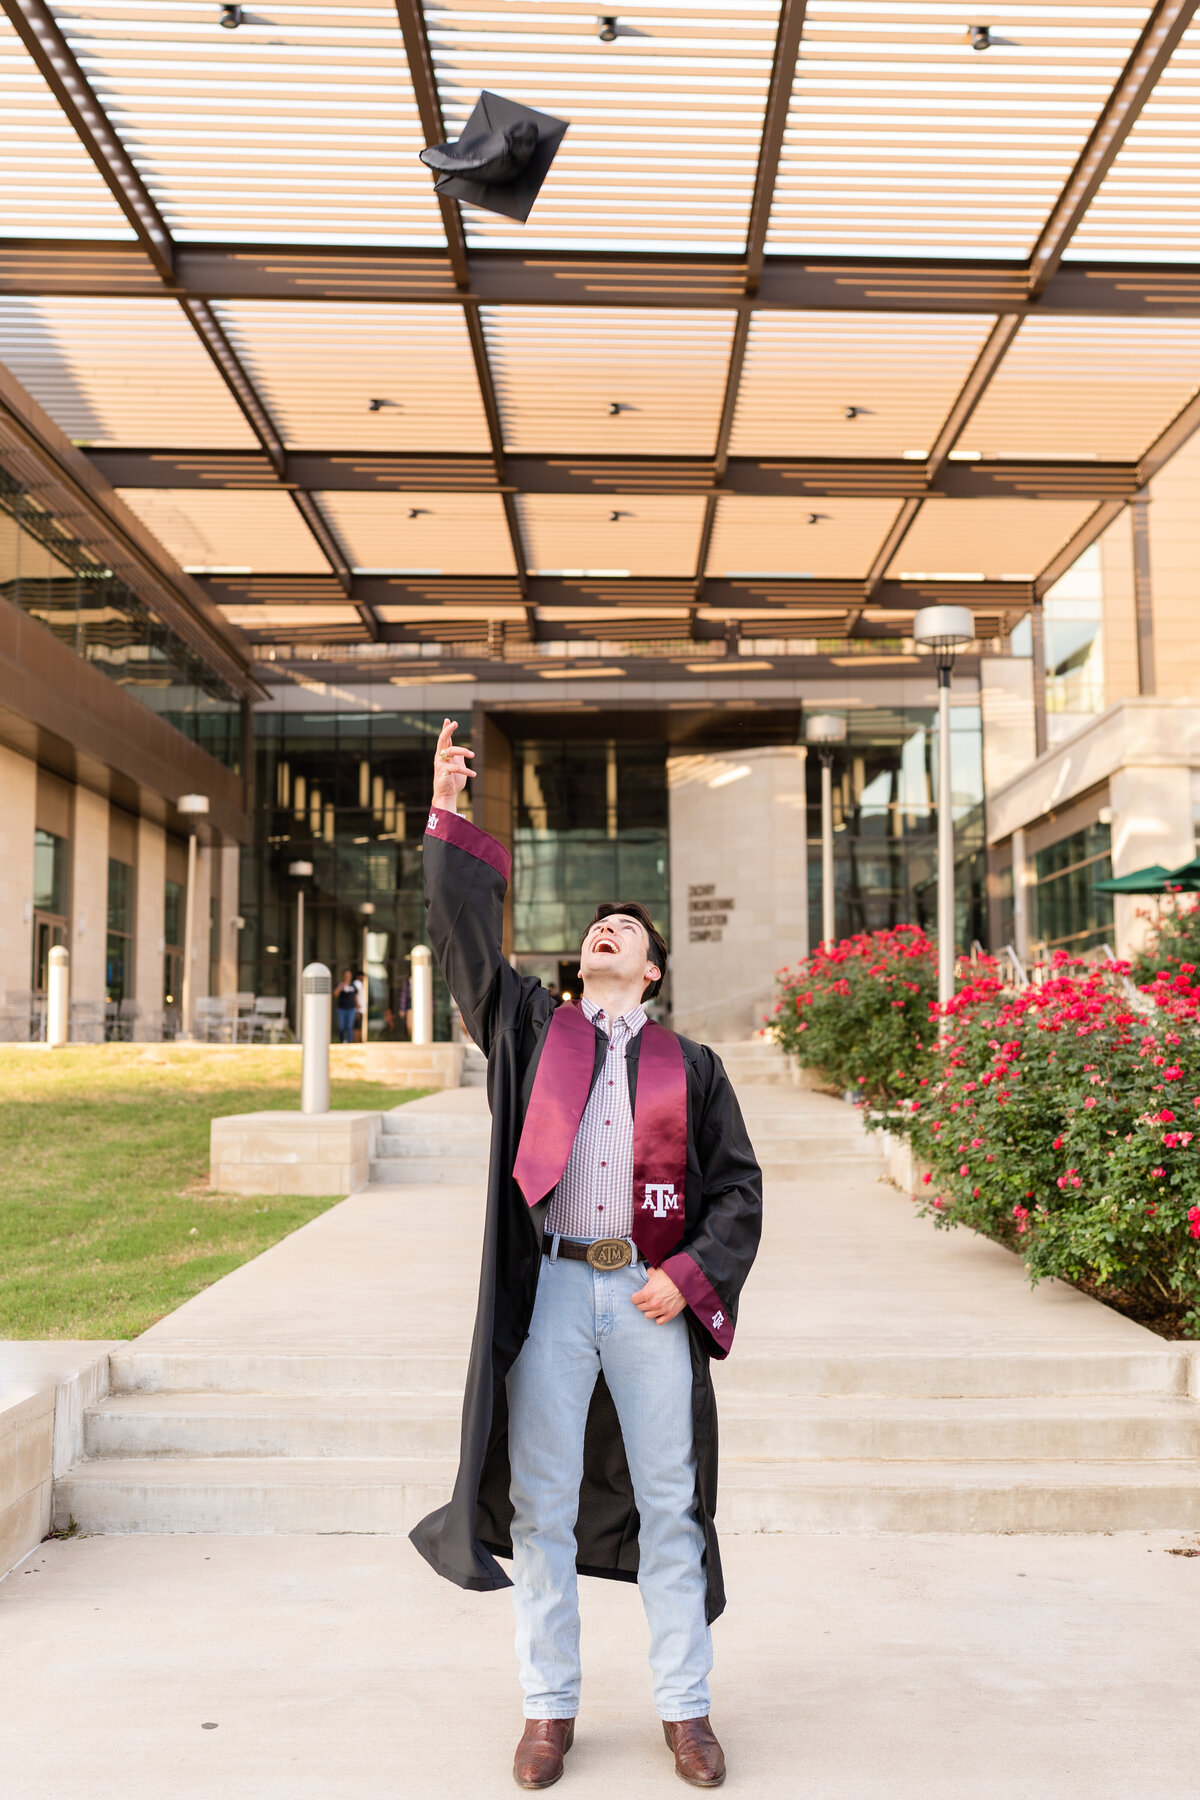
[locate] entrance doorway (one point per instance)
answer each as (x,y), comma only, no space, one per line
(49,930)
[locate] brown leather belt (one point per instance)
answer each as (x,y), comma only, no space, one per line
(604,1254)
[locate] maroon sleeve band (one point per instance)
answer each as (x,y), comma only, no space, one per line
(460,832)
(703,1299)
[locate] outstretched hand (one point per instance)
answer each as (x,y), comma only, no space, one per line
(660,1300)
(450,771)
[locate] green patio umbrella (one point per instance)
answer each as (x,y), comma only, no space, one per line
(1151,880)
(1186,876)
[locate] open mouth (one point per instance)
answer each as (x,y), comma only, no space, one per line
(608,944)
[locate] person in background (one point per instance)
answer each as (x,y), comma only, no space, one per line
(360,1004)
(345,1000)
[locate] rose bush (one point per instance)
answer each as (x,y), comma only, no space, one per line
(859,1012)
(1065,1122)
(1062,1119)
(1173,944)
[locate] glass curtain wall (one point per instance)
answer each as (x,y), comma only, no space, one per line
(347,792)
(49,902)
(885,783)
(589,824)
(56,580)
(118,980)
(1071,915)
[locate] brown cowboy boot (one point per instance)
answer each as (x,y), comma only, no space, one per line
(699,1759)
(539,1759)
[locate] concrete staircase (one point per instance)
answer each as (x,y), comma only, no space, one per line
(887,1377)
(810,1442)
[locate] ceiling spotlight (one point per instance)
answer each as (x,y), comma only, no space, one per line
(979,37)
(814,518)
(851,412)
(614,407)
(378,405)
(417,512)
(231,16)
(614,516)
(606,28)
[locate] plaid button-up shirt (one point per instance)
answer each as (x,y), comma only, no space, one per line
(594,1199)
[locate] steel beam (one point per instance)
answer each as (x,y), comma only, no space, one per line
(1092,528)
(779,96)
(1149,57)
(411,15)
(41,35)
(814,479)
(563,278)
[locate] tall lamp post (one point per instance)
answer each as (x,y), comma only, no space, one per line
(193,807)
(824,730)
(301,871)
(367,909)
(944,630)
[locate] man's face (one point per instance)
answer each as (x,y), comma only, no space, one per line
(618,946)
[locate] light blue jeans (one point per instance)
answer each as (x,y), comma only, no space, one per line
(584,1322)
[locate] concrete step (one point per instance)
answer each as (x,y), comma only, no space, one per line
(249,1495)
(959,1497)
(249,1369)
(446,1169)
(987,1374)
(469,1144)
(802,1429)
(766,1372)
(286,1425)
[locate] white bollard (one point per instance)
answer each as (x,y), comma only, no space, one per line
(316,986)
(58,996)
(422,994)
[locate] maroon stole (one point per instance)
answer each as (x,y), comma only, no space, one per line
(560,1092)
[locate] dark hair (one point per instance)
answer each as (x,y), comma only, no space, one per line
(633,909)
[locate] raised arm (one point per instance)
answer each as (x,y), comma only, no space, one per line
(466,876)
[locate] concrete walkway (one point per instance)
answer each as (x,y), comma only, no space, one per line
(886,1377)
(335,1668)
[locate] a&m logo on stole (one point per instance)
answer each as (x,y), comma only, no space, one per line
(661,1199)
(433,822)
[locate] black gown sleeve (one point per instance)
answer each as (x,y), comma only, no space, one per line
(466,877)
(716,1258)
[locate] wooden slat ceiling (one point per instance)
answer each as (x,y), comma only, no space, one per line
(357,413)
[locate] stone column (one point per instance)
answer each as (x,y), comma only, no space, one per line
(89,894)
(18,776)
(149,895)
(201,967)
(1151,823)
(225,971)
(1022,893)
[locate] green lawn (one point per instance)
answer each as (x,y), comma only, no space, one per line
(106,1219)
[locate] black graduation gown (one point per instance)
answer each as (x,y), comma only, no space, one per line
(507,1015)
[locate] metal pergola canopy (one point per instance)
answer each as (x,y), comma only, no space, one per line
(822,315)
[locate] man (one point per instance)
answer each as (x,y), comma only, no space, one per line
(623,1215)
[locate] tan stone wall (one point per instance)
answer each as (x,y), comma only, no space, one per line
(1175,573)
(1120,625)
(89,894)
(744,841)
(18,783)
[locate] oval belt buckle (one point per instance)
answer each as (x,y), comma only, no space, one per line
(609,1253)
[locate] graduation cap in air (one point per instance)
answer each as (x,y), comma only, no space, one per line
(501,159)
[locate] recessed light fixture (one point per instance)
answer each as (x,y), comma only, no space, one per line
(614,516)
(614,407)
(815,518)
(979,37)
(851,412)
(606,28)
(231,17)
(377,405)
(417,512)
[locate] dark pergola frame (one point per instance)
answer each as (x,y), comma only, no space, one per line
(193,276)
